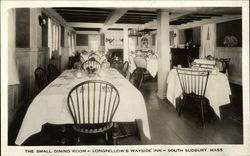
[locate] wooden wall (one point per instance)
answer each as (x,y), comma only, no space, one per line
(235,66)
(83,42)
(235,53)
(28,59)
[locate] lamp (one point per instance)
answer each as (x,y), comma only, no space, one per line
(42,21)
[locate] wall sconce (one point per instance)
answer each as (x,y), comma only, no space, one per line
(42,21)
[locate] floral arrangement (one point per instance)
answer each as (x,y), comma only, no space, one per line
(91,70)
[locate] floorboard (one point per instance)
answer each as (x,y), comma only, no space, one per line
(167,128)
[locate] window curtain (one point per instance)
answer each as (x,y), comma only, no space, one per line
(53,37)
(59,41)
(73,42)
(50,37)
(12,69)
(207,40)
(94,41)
(69,42)
(132,44)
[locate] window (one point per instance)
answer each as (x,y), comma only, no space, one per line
(53,37)
(94,42)
(81,40)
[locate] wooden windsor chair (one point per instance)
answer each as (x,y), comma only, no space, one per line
(137,77)
(91,63)
(94,55)
(125,68)
(53,72)
(92,105)
(194,84)
(41,78)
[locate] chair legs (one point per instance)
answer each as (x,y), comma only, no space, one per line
(203,109)
(202,115)
(181,106)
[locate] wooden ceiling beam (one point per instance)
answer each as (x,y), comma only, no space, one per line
(130,22)
(131,18)
(84,10)
(112,18)
(100,25)
(142,15)
(145,12)
(81,13)
(84,21)
(86,29)
(174,17)
(206,15)
(87,17)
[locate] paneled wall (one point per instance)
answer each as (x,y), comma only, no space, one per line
(235,66)
(235,53)
(89,42)
(27,60)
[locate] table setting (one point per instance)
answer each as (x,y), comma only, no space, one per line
(50,105)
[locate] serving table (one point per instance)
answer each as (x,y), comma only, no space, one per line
(50,105)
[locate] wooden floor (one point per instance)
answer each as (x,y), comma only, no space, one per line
(167,128)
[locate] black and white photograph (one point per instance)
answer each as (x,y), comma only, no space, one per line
(132,78)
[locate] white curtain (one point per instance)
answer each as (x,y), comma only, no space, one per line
(12,69)
(73,42)
(50,37)
(132,44)
(207,40)
(59,41)
(53,37)
(69,42)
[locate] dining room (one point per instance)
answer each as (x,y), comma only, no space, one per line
(125,76)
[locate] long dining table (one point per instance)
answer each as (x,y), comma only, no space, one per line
(218,90)
(50,105)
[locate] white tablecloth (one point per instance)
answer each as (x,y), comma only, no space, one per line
(50,106)
(217,92)
(152,66)
(204,61)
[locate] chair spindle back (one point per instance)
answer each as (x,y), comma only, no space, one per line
(193,82)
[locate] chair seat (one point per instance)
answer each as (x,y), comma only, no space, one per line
(93,128)
(195,96)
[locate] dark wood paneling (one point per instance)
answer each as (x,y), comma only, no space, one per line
(81,40)
(86,29)
(23,27)
(231,28)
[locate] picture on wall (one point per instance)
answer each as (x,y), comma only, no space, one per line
(229,34)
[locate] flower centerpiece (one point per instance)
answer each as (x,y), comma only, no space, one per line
(91,71)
